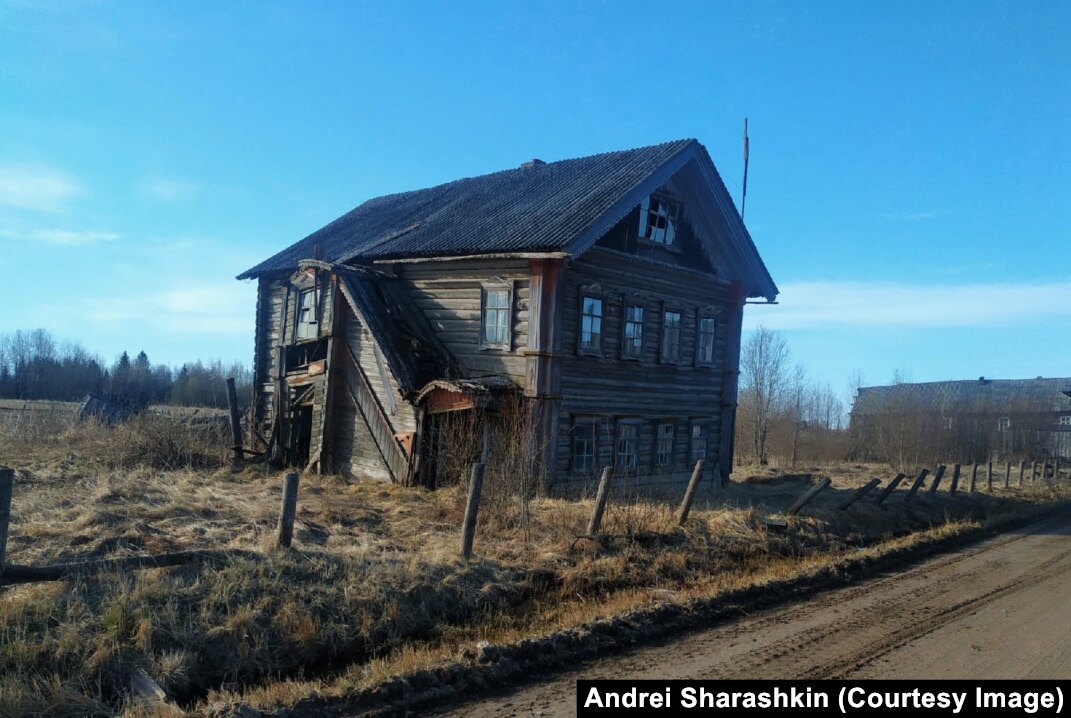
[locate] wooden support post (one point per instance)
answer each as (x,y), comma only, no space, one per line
(1022,469)
(974,478)
(1056,469)
(859,493)
(1033,472)
(917,485)
(1007,475)
(472,508)
(989,476)
(955,480)
(689,493)
(937,478)
(600,501)
(288,512)
(7,484)
(236,424)
(889,489)
(808,495)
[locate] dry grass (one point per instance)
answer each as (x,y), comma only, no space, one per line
(372,581)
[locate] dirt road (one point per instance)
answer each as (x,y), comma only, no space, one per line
(993,610)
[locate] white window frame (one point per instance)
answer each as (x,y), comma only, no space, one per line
(666,212)
(665,443)
(506,312)
(700,359)
(699,445)
(594,343)
(1004,423)
(629,348)
(667,332)
(585,462)
(627,446)
(307,325)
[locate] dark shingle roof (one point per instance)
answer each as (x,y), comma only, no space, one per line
(539,207)
(976,395)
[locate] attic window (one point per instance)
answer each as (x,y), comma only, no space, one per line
(658,219)
(307,326)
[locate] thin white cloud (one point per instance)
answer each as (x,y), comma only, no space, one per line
(68,238)
(36,187)
(807,305)
(189,309)
(164,189)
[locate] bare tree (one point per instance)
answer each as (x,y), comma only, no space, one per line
(798,390)
(763,361)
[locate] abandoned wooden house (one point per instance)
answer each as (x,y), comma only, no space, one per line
(972,420)
(600,299)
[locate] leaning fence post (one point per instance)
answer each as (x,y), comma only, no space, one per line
(937,478)
(1022,469)
(289,509)
(689,493)
(7,483)
(859,493)
(1056,470)
(236,424)
(810,494)
(1033,472)
(989,476)
(600,501)
(1007,475)
(917,485)
(889,489)
(955,480)
(472,507)
(974,477)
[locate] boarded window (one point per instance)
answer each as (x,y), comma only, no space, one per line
(627,447)
(632,342)
(591,324)
(671,336)
(496,301)
(307,326)
(699,442)
(584,446)
(664,445)
(704,351)
(658,219)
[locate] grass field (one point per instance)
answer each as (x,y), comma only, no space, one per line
(372,586)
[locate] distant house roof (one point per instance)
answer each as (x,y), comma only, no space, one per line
(976,395)
(540,207)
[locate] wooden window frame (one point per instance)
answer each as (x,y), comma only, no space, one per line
(663,336)
(671,221)
(672,453)
(625,322)
(591,424)
(301,326)
(704,426)
(1004,423)
(485,290)
(623,425)
(702,316)
(597,348)
(1064,421)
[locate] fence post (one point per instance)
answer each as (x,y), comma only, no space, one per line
(1056,469)
(236,424)
(917,485)
(955,480)
(941,469)
(7,483)
(289,509)
(889,489)
(472,507)
(859,493)
(1033,472)
(689,493)
(1007,475)
(600,501)
(1022,469)
(989,476)
(974,477)
(810,494)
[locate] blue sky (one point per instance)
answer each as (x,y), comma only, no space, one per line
(909,186)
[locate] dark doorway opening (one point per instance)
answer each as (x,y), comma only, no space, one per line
(300,435)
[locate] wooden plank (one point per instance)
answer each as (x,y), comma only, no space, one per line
(236,424)
(689,493)
(472,508)
(1022,469)
(916,485)
(989,476)
(808,495)
(1007,475)
(288,511)
(859,493)
(600,501)
(889,489)
(974,478)
(937,478)
(955,480)
(7,485)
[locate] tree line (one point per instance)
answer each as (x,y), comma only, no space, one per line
(34,365)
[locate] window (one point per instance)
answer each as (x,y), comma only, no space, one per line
(658,220)
(704,346)
(1065,421)
(307,325)
(584,446)
(671,336)
(632,342)
(699,442)
(1003,423)
(664,445)
(590,324)
(496,311)
(627,447)
(948,422)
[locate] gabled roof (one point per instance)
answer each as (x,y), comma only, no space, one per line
(540,207)
(972,396)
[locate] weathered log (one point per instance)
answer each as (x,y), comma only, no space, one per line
(288,511)
(859,493)
(7,485)
(889,489)
(916,485)
(689,493)
(937,478)
(236,424)
(808,495)
(955,480)
(472,508)
(600,501)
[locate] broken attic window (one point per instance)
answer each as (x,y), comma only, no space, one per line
(658,219)
(307,326)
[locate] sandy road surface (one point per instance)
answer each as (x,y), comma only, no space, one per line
(992,610)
